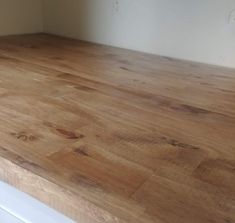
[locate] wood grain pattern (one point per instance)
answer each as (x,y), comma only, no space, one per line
(109,135)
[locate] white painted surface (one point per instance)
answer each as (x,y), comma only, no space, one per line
(20,16)
(21,208)
(6,217)
(187,29)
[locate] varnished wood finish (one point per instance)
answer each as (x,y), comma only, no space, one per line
(109,135)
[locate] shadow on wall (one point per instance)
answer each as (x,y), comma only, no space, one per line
(19,17)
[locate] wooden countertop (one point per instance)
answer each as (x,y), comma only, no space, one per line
(109,135)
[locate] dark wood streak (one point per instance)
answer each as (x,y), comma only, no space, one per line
(81,151)
(178,144)
(84,181)
(24,136)
(193,109)
(69,134)
(19,160)
(125,68)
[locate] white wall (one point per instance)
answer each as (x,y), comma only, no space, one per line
(188,29)
(20,16)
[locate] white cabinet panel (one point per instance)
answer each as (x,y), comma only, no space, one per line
(25,208)
(5,217)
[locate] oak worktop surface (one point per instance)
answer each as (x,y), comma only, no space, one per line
(107,135)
